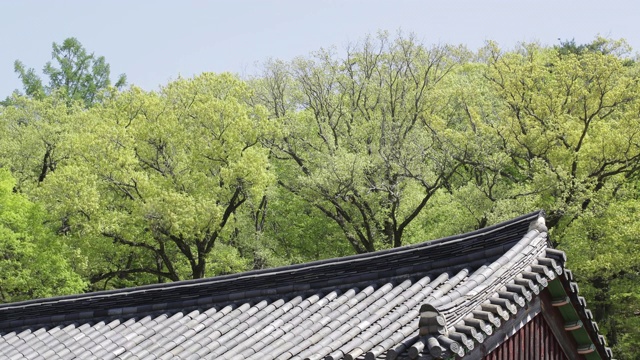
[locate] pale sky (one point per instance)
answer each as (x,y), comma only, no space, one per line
(155,41)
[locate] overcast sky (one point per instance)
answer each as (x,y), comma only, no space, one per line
(155,41)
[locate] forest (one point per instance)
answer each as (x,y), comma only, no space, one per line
(384,143)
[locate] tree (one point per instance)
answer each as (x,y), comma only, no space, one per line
(79,75)
(559,131)
(35,137)
(34,263)
(360,144)
(604,251)
(600,45)
(158,178)
(36,125)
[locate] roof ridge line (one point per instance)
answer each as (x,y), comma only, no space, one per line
(275,271)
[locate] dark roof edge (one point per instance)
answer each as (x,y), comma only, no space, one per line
(585,315)
(521,220)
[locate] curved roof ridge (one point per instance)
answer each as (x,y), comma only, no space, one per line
(516,277)
(479,278)
(412,256)
(444,315)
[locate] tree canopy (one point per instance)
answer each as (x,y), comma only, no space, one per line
(35,263)
(74,72)
(160,175)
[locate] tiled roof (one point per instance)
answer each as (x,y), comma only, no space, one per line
(435,299)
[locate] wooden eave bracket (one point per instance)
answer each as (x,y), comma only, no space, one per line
(560,301)
(586,349)
(562,298)
(573,325)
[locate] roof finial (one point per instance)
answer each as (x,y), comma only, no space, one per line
(538,224)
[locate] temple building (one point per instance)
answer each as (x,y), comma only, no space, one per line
(500,292)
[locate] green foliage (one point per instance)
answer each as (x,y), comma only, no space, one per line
(599,45)
(299,232)
(74,73)
(160,176)
(34,263)
(358,141)
(560,130)
(605,256)
(36,136)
